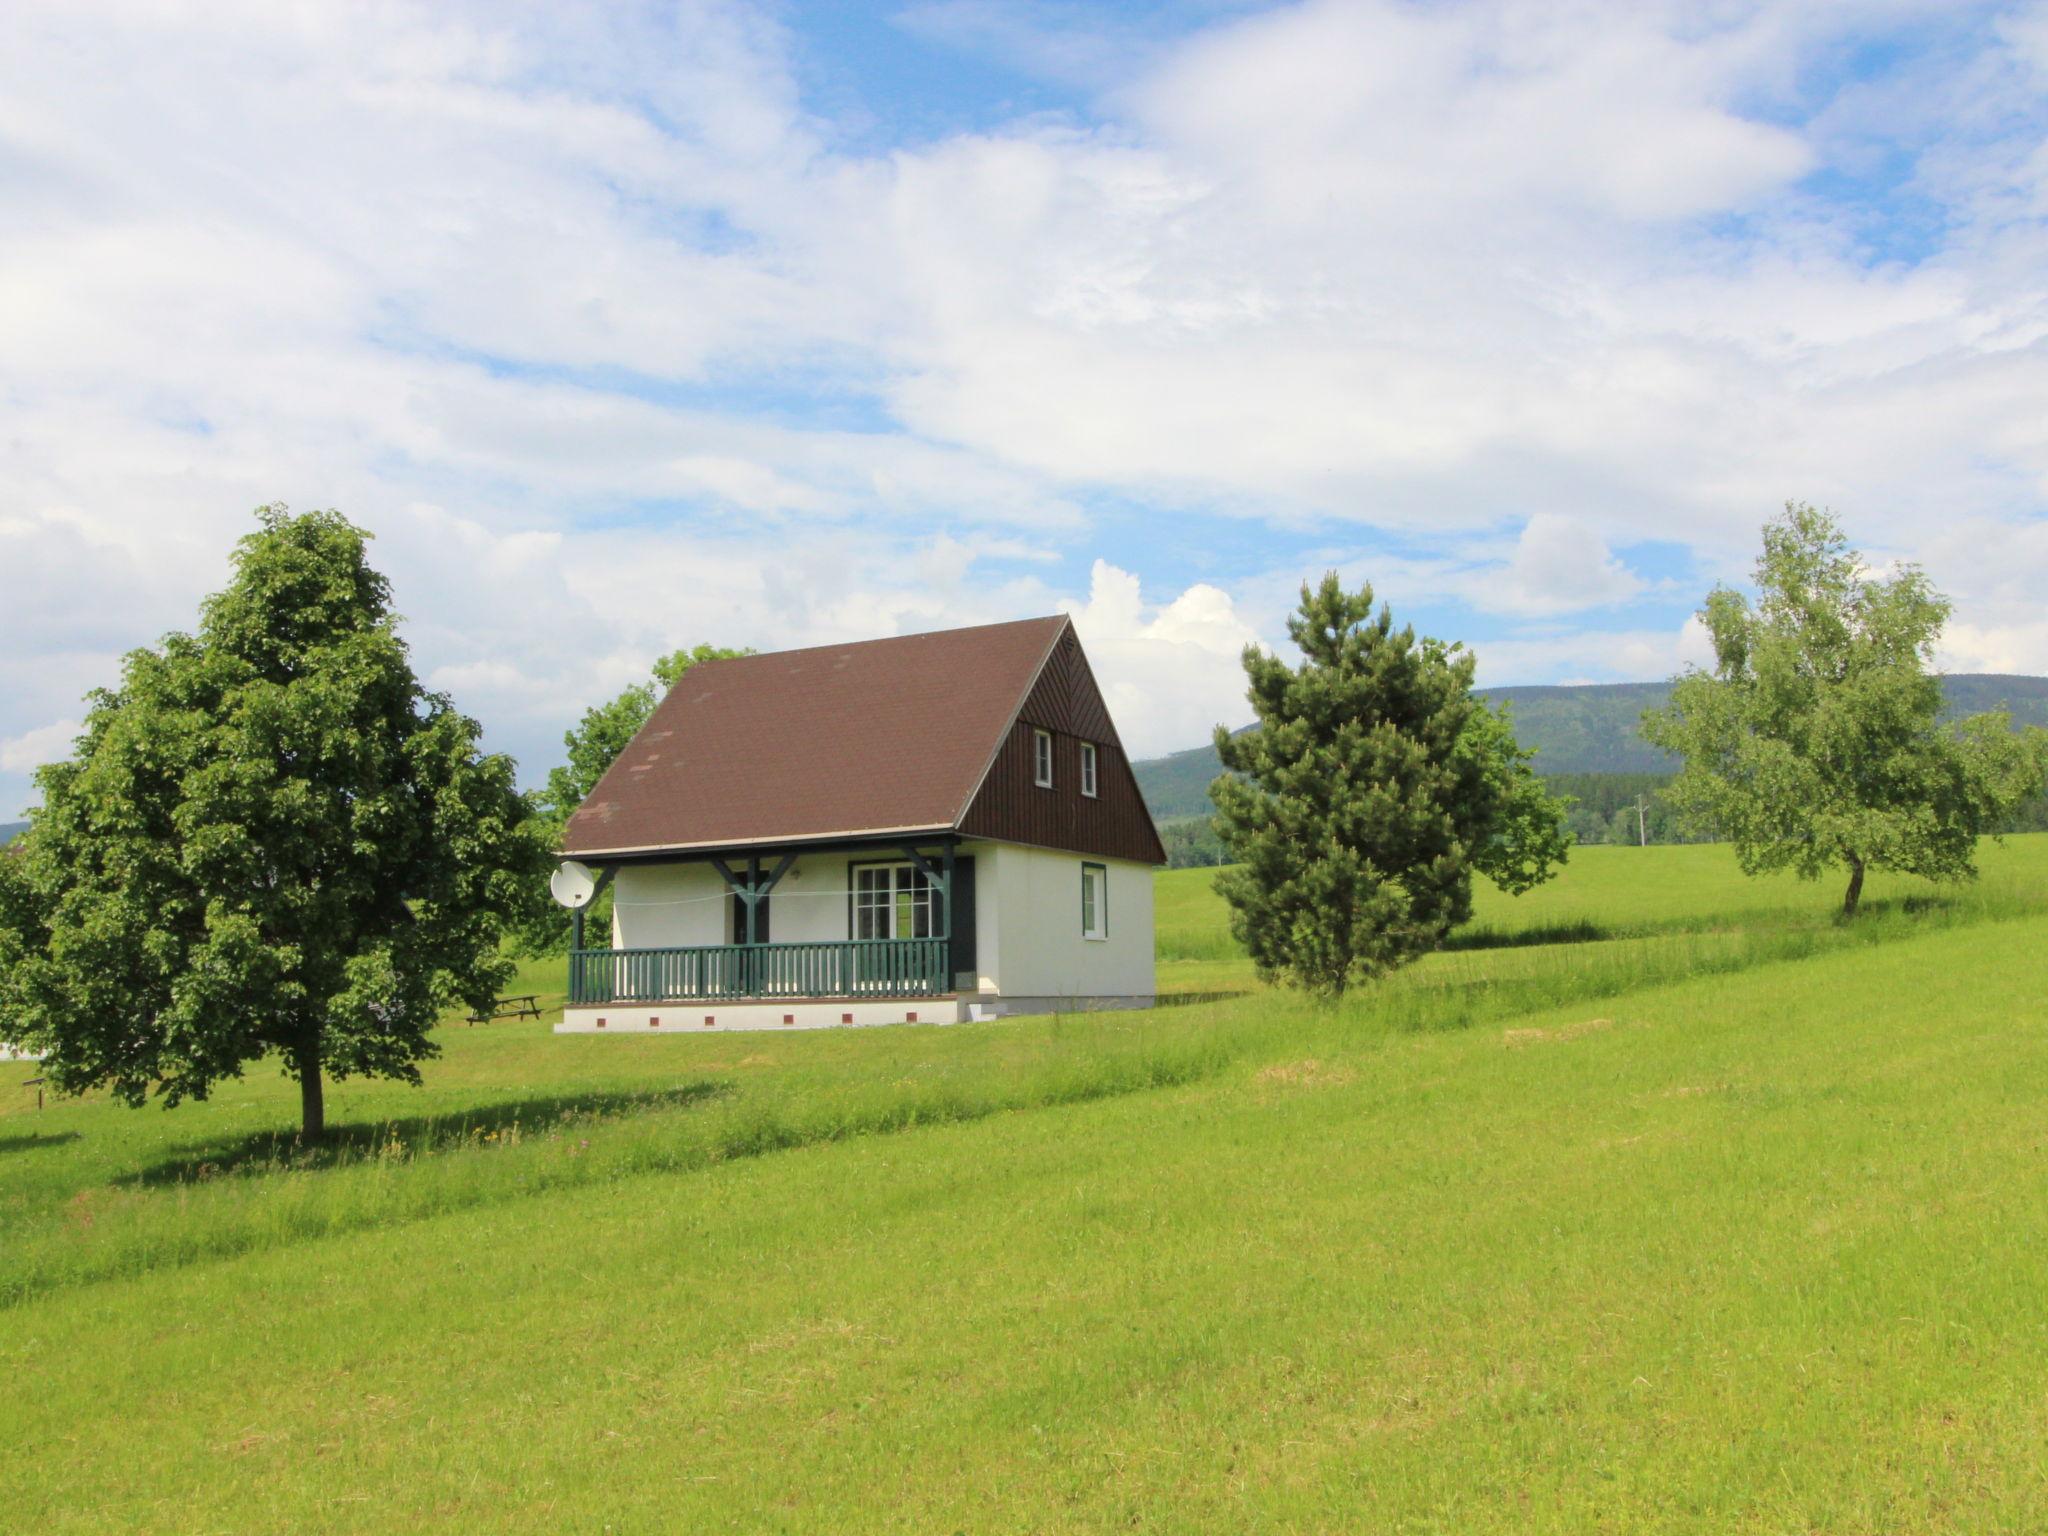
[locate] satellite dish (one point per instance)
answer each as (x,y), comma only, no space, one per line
(573,885)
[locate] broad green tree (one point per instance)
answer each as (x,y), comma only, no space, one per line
(1373,788)
(605,729)
(595,743)
(1816,741)
(271,841)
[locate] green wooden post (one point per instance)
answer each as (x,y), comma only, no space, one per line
(946,896)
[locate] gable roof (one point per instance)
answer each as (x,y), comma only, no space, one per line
(877,737)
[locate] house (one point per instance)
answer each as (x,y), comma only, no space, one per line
(928,828)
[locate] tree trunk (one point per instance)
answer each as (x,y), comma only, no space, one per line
(312,1095)
(1855,891)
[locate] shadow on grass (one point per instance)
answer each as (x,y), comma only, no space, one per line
(1190,999)
(33,1140)
(1581,932)
(355,1141)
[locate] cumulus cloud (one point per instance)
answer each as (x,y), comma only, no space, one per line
(1170,672)
(1560,566)
(46,744)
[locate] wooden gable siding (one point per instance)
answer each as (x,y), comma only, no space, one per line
(1011,807)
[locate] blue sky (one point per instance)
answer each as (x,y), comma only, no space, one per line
(629,326)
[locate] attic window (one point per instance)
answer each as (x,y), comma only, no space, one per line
(1041,758)
(1088,769)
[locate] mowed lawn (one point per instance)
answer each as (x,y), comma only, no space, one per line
(1663,1202)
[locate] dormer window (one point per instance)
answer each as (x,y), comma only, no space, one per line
(1088,769)
(1041,759)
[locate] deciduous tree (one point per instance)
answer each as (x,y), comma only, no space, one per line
(1816,741)
(270,841)
(1374,787)
(592,747)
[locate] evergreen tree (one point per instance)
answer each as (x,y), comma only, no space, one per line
(1373,788)
(271,841)
(1816,741)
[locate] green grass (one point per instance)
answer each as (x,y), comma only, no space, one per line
(1665,1202)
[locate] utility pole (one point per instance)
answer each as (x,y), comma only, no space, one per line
(1642,833)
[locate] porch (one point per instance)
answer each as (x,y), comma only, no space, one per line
(842,968)
(867,921)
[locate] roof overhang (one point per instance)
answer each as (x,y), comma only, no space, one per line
(825,842)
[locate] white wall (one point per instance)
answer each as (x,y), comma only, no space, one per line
(1029,923)
(667,906)
(1027,917)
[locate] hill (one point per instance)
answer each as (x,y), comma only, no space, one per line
(1726,1222)
(1590,728)
(10,830)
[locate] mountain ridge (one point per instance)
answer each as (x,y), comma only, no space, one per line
(1583,728)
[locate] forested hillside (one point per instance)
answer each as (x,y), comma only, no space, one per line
(1588,729)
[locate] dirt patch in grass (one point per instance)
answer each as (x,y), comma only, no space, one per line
(1306,1074)
(1516,1038)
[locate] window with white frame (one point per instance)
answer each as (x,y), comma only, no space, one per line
(891,901)
(1041,759)
(1094,901)
(1088,769)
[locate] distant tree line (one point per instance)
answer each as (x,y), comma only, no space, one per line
(1620,808)
(1601,809)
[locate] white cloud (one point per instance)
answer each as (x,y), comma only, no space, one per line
(46,744)
(1610,656)
(1560,566)
(547,296)
(1170,673)
(2015,648)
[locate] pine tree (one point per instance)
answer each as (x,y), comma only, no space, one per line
(1373,787)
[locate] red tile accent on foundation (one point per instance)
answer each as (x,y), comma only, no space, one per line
(600,1023)
(654,1022)
(910,1018)
(789,1018)
(846,1018)
(709,1020)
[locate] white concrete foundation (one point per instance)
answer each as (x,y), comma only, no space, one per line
(820,1013)
(1021,1007)
(703,1018)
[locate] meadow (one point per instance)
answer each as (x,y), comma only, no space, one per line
(1660,1200)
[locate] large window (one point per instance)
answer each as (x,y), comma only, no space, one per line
(1088,769)
(1041,759)
(1094,901)
(892,901)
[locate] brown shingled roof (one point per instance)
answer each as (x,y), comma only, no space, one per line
(835,741)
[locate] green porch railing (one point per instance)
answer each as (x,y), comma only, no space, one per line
(833,968)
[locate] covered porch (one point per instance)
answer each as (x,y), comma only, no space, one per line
(866,921)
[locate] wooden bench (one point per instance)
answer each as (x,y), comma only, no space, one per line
(526,1006)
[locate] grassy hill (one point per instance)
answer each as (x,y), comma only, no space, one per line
(1662,1201)
(1582,729)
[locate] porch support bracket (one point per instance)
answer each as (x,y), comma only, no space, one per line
(941,877)
(753,890)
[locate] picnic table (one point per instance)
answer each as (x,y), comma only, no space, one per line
(525,1006)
